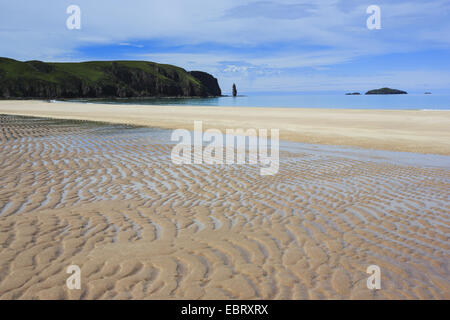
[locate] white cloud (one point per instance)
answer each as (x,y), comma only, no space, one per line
(233,68)
(261,38)
(126,44)
(320,23)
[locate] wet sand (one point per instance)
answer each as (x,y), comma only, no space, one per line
(395,130)
(107,198)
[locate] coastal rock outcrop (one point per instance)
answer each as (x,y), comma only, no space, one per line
(208,81)
(101,79)
(386,91)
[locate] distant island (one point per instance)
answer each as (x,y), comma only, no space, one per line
(353,94)
(101,79)
(386,91)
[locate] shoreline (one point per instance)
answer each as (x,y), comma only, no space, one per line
(417,131)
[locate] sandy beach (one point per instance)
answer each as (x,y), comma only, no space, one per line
(189,152)
(396,130)
(107,198)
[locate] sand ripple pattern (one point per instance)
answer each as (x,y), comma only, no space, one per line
(107,198)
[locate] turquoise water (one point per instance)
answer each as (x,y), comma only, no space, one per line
(341,101)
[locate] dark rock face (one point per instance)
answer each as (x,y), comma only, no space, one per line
(386,91)
(102,79)
(208,81)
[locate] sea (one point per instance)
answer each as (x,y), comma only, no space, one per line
(333,101)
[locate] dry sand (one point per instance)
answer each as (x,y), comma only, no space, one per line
(412,131)
(108,199)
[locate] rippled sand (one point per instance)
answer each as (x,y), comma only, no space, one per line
(107,198)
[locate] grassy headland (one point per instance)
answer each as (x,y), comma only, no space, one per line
(101,79)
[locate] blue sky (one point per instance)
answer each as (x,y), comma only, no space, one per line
(276,46)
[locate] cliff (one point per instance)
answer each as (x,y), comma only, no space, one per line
(101,79)
(208,81)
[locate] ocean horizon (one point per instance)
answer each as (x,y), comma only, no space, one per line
(333,101)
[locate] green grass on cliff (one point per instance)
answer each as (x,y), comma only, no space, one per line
(16,74)
(91,71)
